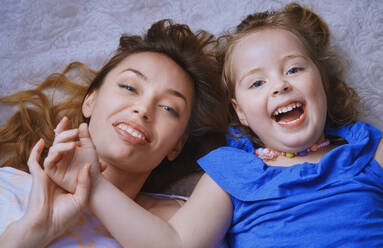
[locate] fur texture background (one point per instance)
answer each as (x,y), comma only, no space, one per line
(40,37)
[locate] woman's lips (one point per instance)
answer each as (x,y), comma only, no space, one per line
(132,133)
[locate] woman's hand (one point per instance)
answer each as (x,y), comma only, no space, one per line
(50,210)
(67,156)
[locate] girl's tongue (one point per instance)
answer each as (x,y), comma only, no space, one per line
(289,116)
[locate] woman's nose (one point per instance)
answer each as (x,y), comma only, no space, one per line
(143,111)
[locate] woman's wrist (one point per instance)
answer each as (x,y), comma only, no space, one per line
(18,234)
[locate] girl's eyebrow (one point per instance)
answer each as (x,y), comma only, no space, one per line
(252,71)
(293,56)
(284,59)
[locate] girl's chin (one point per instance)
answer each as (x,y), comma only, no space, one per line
(292,144)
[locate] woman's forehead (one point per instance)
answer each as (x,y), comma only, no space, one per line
(152,68)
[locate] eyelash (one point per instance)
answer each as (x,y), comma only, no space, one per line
(296,69)
(127,86)
(171,110)
(257,84)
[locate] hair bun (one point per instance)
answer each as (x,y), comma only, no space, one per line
(310,23)
(253,20)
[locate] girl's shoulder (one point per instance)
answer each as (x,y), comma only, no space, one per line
(378,156)
(356,132)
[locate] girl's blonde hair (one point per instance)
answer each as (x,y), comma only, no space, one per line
(313,32)
(38,114)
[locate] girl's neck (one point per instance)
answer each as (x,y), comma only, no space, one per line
(312,157)
(129,183)
(323,147)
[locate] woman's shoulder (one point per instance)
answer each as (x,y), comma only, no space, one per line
(161,205)
(14,178)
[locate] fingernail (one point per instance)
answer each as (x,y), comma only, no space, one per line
(40,141)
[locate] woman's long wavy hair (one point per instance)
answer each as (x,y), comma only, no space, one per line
(313,32)
(38,114)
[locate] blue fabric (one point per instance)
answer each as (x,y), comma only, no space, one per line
(337,202)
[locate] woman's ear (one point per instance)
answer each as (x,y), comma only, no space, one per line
(178,147)
(87,105)
(241,115)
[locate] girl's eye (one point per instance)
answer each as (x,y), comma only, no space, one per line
(171,110)
(293,70)
(257,84)
(128,87)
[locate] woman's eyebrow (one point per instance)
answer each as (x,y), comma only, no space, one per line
(170,91)
(138,73)
(177,94)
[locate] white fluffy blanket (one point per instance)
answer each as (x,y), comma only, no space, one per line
(42,36)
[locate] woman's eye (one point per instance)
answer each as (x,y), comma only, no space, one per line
(127,86)
(171,110)
(293,70)
(257,84)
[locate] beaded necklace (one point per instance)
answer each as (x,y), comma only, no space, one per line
(268,154)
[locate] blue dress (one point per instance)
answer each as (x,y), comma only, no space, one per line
(337,202)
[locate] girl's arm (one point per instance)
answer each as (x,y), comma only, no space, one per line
(201,222)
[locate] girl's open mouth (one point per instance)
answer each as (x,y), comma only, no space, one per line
(290,115)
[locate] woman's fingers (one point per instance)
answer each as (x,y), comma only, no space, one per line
(85,140)
(33,160)
(62,125)
(81,193)
(65,136)
(102,166)
(56,152)
(37,198)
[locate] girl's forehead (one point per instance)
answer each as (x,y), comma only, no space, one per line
(260,45)
(269,37)
(264,48)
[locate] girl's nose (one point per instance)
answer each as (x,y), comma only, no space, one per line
(281,88)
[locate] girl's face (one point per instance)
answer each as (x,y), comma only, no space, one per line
(278,90)
(140,113)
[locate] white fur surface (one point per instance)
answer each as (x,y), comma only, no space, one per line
(39,37)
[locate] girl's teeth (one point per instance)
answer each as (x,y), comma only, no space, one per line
(287,109)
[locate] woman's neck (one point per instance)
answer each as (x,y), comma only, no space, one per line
(129,183)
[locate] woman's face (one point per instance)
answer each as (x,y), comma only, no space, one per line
(139,114)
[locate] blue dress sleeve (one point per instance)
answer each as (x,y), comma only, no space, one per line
(246,177)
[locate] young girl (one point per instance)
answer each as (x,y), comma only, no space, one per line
(153,96)
(299,173)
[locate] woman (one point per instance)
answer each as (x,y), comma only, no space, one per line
(156,94)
